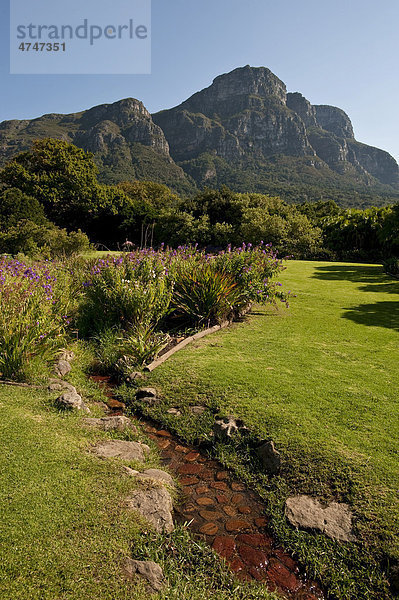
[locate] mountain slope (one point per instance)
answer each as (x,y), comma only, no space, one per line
(245,126)
(125,141)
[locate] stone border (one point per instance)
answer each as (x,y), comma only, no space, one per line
(197,336)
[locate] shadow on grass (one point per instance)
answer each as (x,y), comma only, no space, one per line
(373,276)
(354,273)
(378,314)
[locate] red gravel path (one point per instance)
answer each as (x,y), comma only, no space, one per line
(227,515)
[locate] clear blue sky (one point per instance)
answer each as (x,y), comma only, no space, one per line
(339,52)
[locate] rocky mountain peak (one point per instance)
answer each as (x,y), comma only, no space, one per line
(335,120)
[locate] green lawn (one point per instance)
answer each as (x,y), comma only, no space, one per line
(322,380)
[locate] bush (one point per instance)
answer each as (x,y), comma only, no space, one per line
(42,241)
(33,318)
(204,295)
(391,266)
(124,292)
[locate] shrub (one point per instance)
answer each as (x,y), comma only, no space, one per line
(32,316)
(205,295)
(42,241)
(123,292)
(391,266)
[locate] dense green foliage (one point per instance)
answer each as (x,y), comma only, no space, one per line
(57,182)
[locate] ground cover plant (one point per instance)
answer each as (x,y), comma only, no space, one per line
(321,380)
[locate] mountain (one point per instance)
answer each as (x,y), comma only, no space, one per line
(244,130)
(125,141)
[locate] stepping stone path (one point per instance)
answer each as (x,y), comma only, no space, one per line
(230,517)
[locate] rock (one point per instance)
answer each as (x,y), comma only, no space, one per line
(150,572)
(174,411)
(67,355)
(197,410)
(152,474)
(57,385)
(335,520)
(122,449)
(150,400)
(117,423)
(70,401)
(146,392)
(134,376)
(227,427)
(270,457)
(62,368)
(155,505)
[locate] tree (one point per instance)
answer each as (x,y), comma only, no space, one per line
(62,177)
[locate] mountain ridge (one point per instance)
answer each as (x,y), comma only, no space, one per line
(243,130)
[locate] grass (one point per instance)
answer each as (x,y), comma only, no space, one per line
(321,380)
(63,525)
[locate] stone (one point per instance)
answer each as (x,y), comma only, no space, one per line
(224,545)
(209,529)
(150,572)
(122,449)
(228,426)
(230,510)
(174,411)
(260,522)
(134,376)
(282,577)
(222,499)
(237,487)
(220,485)
(335,520)
(222,475)
(205,501)
(257,540)
(67,355)
(146,392)
(182,449)
(190,469)
(197,410)
(192,456)
(71,401)
(149,400)
(202,489)
(253,557)
(210,515)
(237,499)
(236,525)
(157,475)
(188,481)
(155,505)
(62,368)
(117,423)
(57,385)
(164,433)
(244,509)
(269,457)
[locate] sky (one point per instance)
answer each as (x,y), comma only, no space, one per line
(342,52)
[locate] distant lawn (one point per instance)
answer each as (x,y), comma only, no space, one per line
(321,379)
